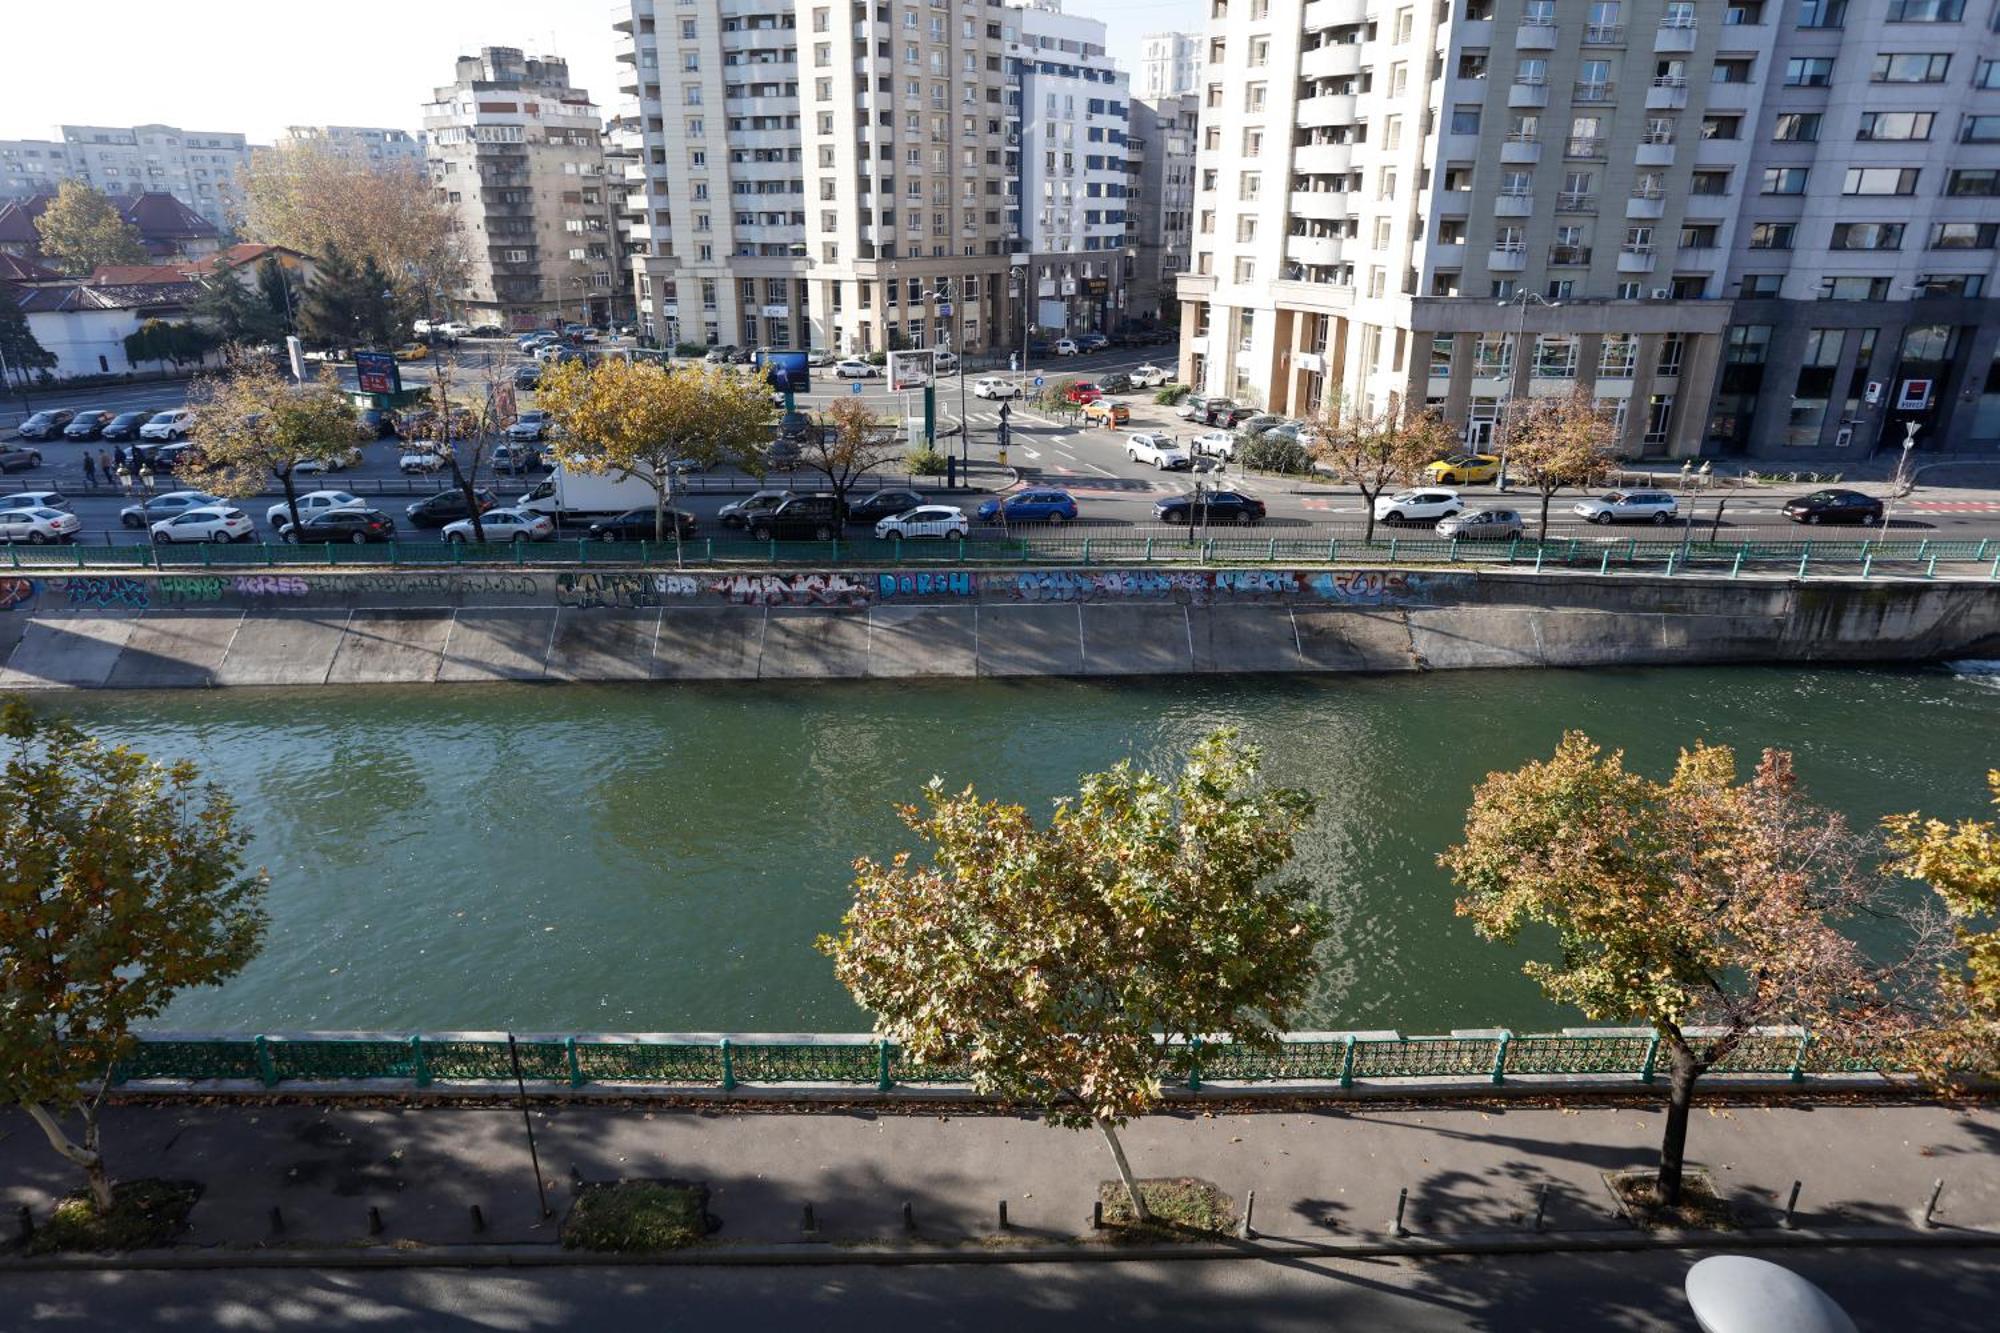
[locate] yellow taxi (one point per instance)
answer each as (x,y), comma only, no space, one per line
(412,352)
(1462,469)
(1104,412)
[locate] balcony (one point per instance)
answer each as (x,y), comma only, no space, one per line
(1568,202)
(1569,255)
(1527,94)
(1334,60)
(1593,94)
(1675,36)
(1313,250)
(1604,34)
(1584,148)
(1668,93)
(1657,153)
(1645,207)
(1521,151)
(1535,37)
(1327,109)
(1507,259)
(1320,204)
(1636,259)
(1323,159)
(1513,205)
(1323,14)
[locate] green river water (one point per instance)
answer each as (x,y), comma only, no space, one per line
(621,858)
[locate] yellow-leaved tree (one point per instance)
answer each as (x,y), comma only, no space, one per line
(1962,862)
(81,231)
(252,424)
(1372,450)
(1556,441)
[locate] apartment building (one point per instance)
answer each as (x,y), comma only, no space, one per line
(372,144)
(197,167)
(1160,166)
(1169,66)
(517,152)
(29,167)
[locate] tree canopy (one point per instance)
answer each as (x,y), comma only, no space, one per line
(252,424)
(1555,441)
(848,443)
(351,304)
(81,231)
(19,347)
(1961,861)
(1373,450)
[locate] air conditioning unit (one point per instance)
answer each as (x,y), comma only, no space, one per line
(1662,293)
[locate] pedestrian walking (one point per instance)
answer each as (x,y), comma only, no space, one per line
(104,464)
(89,469)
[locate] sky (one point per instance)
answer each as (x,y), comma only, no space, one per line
(237,65)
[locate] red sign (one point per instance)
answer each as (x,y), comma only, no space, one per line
(377,372)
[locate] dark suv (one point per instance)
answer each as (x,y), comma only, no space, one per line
(801,518)
(446,507)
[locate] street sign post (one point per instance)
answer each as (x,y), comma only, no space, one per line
(857,388)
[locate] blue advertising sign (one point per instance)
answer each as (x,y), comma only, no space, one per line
(789,371)
(377,372)
(857,388)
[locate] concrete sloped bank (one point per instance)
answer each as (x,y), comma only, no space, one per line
(145,631)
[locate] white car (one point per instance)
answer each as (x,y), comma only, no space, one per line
(211,523)
(944,521)
(1216,444)
(424,457)
(993,386)
(38,526)
(169,505)
(1162,451)
(1488,525)
(1426,504)
(172,424)
(1067,347)
(944,362)
(854,368)
(529,426)
(504,525)
(33,500)
(451,328)
(1149,376)
(312,502)
(1628,507)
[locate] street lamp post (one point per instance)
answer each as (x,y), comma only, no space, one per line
(1520,300)
(1899,485)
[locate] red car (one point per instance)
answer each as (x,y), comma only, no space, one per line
(1083,393)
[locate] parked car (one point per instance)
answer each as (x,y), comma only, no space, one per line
(1628,507)
(13,458)
(1067,347)
(1420,505)
(527,378)
(1038,347)
(1150,376)
(210,523)
(528,342)
(487,331)
(1116,382)
(340,525)
(944,363)
(87,425)
(1215,444)
(1261,422)
(515,459)
(815,517)
(452,328)
(504,525)
(1106,413)
(883,504)
(738,513)
(413,352)
(33,500)
(125,426)
(1041,505)
(45,425)
(1082,392)
(1495,525)
(339,461)
(819,358)
(156,507)
(782,454)
(434,511)
(1834,506)
(637,525)
(1462,469)
(1224,412)
(311,502)
(533,425)
(719,356)
(1161,452)
(1192,407)
(424,456)
(946,522)
(172,424)
(854,368)
(1211,507)
(993,386)
(38,527)
(162,459)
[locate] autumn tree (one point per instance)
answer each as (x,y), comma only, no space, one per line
(123,885)
(19,347)
(252,424)
(1372,451)
(1704,907)
(848,443)
(465,452)
(1554,441)
(1961,862)
(638,419)
(81,231)
(1071,965)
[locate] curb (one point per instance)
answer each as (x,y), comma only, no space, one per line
(822,1254)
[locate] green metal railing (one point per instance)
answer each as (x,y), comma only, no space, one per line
(726,1062)
(1058,547)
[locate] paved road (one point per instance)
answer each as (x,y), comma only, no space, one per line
(1912,1292)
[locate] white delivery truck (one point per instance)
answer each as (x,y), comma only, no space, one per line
(569,495)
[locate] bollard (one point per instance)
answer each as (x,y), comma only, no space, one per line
(1396,1228)
(1541,1208)
(809,1224)
(1003,1215)
(1096,1215)
(1249,1212)
(1789,1221)
(374,1220)
(478,1219)
(909,1217)
(277,1221)
(1930,1207)
(26,1221)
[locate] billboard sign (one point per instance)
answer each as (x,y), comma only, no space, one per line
(910,370)
(377,372)
(789,371)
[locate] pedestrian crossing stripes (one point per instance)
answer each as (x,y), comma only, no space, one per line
(1956,506)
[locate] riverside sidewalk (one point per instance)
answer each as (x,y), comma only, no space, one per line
(1325,1177)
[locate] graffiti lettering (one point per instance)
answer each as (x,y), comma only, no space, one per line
(1252,584)
(107,593)
(792,590)
(191,589)
(1368,586)
(269,585)
(13,592)
(955,583)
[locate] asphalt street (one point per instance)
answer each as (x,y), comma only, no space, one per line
(1113,492)
(1928,1291)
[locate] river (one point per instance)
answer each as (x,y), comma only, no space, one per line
(633,858)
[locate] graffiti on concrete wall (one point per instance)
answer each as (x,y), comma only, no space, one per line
(791,590)
(1207,587)
(1371,587)
(14,592)
(624,590)
(949,583)
(107,593)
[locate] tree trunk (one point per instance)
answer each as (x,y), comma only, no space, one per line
(1368,503)
(1543,534)
(1139,1209)
(85,1154)
(291,500)
(1673,1145)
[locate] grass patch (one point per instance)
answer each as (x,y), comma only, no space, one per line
(1701,1208)
(631,1216)
(1183,1208)
(145,1215)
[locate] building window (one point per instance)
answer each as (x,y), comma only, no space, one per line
(1659,417)
(1911,67)
(1963,235)
(1980,129)
(1896,125)
(1973,182)
(1853,289)
(1618,357)
(1925,11)
(1879,180)
(1555,355)
(1795,127)
(1867,235)
(1822,13)
(1809,72)
(1787,180)
(1746,344)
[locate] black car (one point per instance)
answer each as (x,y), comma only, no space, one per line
(801,518)
(1834,506)
(1212,507)
(720,356)
(87,425)
(528,378)
(1222,412)
(13,458)
(45,425)
(1116,382)
(125,426)
(1038,347)
(883,504)
(637,525)
(341,525)
(434,511)
(162,459)
(488,331)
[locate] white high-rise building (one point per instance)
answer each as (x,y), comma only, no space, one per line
(371,144)
(1169,65)
(197,167)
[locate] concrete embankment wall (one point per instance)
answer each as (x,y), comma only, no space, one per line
(145,631)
